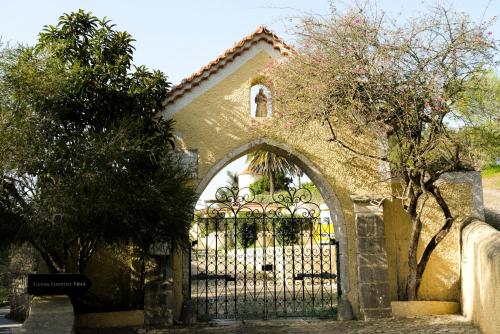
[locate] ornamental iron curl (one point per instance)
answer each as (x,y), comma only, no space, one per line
(235,202)
(258,259)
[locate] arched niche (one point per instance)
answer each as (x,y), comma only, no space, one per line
(260,101)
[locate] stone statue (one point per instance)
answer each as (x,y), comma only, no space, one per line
(261,102)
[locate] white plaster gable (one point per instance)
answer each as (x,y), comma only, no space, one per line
(212,79)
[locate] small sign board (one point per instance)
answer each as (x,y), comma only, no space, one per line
(57,284)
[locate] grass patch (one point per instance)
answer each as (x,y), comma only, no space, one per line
(490,171)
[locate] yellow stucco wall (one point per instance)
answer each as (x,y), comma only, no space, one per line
(218,122)
(441,280)
(114,279)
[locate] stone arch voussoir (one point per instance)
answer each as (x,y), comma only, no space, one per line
(326,190)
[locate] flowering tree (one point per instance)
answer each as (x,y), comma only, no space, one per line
(359,71)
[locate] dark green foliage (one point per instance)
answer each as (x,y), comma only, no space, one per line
(478,109)
(262,185)
(288,230)
(247,230)
(232,179)
(83,159)
(309,186)
(270,165)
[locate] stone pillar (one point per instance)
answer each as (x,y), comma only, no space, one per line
(158,294)
(22,262)
(373,280)
(188,314)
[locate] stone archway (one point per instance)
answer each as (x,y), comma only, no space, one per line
(211,110)
(214,125)
(331,200)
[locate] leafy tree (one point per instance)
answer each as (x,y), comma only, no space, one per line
(270,164)
(359,73)
(83,159)
(263,184)
(247,230)
(478,110)
(232,179)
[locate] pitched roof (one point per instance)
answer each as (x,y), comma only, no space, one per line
(261,34)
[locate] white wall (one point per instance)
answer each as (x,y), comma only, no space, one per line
(481,276)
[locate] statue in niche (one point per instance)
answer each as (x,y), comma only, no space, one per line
(261,102)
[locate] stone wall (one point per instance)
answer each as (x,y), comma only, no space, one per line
(110,319)
(214,120)
(159,300)
(441,279)
(217,124)
(481,276)
(373,279)
(22,261)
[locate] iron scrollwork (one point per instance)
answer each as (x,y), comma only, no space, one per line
(263,257)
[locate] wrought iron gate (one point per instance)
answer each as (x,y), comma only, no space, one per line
(258,259)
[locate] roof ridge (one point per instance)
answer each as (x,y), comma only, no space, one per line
(213,66)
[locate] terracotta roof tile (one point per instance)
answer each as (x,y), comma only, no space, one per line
(261,34)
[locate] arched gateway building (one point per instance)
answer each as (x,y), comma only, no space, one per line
(215,125)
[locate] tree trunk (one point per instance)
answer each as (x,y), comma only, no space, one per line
(438,237)
(417,269)
(416,229)
(52,264)
(271,183)
(411,284)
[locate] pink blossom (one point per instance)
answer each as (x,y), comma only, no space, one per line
(288,124)
(270,64)
(490,33)
(254,125)
(357,20)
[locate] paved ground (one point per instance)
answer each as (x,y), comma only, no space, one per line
(440,324)
(7,326)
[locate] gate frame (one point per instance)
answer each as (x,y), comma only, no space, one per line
(289,200)
(326,191)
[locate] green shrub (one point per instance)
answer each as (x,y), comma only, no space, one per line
(490,171)
(262,185)
(288,230)
(247,230)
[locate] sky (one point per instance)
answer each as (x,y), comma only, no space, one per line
(179,37)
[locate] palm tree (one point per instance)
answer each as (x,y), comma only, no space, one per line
(232,179)
(270,164)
